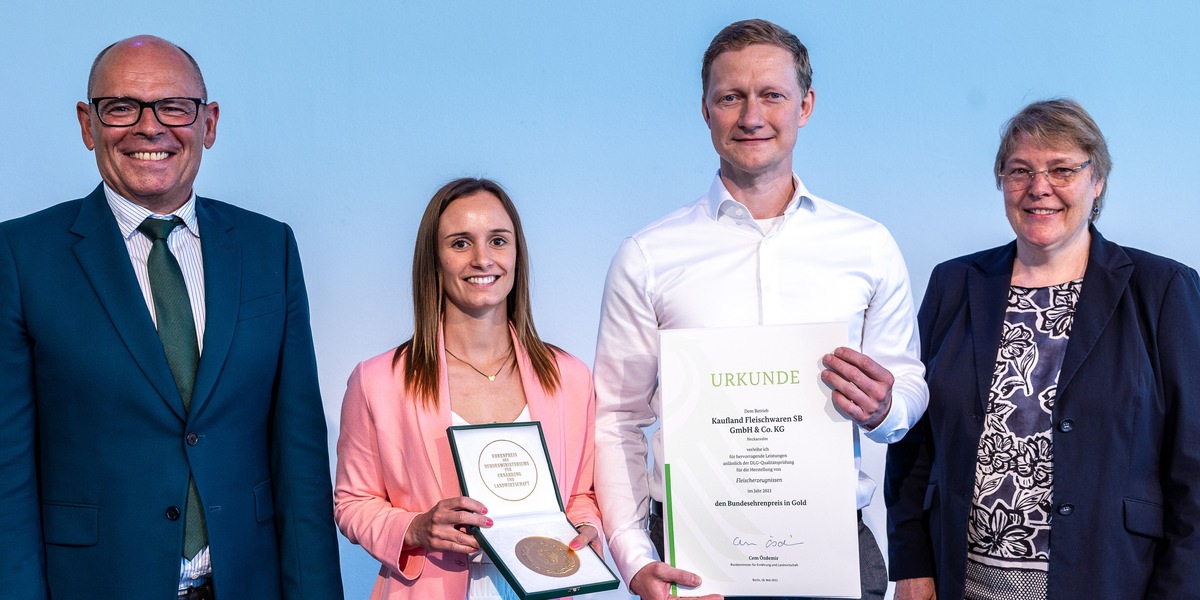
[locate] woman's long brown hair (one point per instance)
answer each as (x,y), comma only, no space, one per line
(421,365)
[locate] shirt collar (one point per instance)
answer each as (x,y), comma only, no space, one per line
(130,215)
(722,205)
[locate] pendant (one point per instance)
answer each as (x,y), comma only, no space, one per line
(492,377)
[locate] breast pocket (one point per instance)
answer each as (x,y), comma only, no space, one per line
(263,305)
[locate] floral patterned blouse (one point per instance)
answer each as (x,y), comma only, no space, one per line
(1008,533)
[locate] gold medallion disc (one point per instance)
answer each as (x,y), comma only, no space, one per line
(547,556)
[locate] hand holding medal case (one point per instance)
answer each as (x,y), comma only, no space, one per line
(507,468)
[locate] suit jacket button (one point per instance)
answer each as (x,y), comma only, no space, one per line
(193,439)
(173,513)
(1066,508)
(1066,425)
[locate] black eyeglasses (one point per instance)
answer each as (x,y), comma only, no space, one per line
(126,112)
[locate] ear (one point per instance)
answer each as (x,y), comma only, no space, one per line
(704,110)
(1098,187)
(806,106)
(83,111)
(211,113)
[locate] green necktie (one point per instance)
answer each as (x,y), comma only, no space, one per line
(177,330)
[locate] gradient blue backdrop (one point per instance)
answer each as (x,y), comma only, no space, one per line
(342,119)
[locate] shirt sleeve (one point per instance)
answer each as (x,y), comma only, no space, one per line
(626,377)
(890,337)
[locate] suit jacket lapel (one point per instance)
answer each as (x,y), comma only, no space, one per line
(105,261)
(222,293)
(987,289)
(543,408)
(431,428)
(1107,275)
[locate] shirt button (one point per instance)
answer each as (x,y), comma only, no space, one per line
(739,212)
(193,439)
(1066,508)
(1066,425)
(172,513)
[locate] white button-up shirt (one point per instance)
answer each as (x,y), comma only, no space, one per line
(710,264)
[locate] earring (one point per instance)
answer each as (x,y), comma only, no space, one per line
(1095,208)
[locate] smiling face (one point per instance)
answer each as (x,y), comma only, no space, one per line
(1050,220)
(150,164)
(477,256)
(754,107)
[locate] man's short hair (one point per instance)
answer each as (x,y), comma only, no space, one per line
(99,57)
(738,35)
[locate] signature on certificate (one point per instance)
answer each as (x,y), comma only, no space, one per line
(770,542)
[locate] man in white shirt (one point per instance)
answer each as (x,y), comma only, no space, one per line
(757,249)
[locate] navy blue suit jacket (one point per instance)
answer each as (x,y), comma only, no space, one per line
(96,447)
(1126,490)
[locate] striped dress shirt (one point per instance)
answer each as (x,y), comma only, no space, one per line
(184,243)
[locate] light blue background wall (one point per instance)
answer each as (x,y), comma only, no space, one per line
(343,118)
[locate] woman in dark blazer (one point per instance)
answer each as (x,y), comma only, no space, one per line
(1060,454)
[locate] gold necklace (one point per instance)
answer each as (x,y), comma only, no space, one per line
(491,377)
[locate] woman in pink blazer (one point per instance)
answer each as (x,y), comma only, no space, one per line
(474,357)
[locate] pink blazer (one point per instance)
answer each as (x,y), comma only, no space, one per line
(394,462)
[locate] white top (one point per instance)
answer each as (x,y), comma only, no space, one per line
(710,264)
(487,582)
(455,419)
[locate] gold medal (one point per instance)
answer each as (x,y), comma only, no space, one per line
(547,556)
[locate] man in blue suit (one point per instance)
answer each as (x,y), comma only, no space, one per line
(161,427)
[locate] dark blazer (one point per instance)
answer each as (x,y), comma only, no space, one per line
(1126,513)
(95,445)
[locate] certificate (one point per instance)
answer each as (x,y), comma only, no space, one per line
(506,467)
(759,465)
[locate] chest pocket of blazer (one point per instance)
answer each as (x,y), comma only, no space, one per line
(263,305)
(1143,518)
(70,524)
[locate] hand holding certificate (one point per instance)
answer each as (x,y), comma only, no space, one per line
(759,464)
(506,466)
